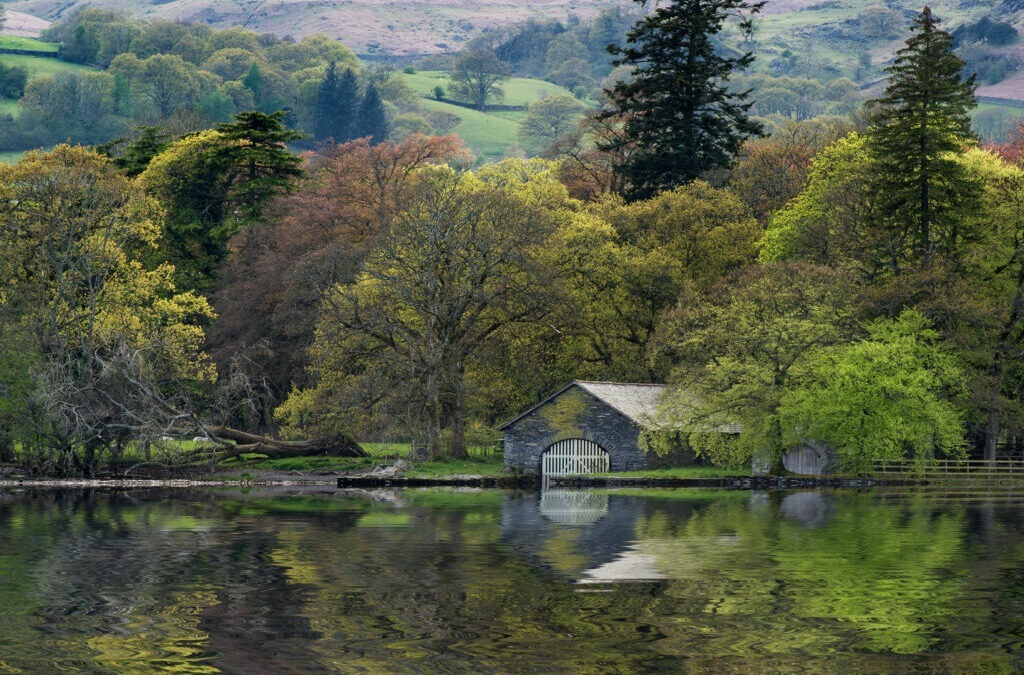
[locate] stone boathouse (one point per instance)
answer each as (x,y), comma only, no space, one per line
(585,427)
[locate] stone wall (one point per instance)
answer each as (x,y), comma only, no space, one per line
(573,414)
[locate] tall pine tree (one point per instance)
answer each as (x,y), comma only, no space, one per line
(678,112)
(372,121)
(337,101)
(325,97)
(919,125)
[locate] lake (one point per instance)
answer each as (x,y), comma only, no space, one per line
(428,581)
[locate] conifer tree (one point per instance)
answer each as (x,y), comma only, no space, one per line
(325,96)
(918,126)
(337,100)
(372,120)
(254,150)
(678,111)
(254,82)
(137,156)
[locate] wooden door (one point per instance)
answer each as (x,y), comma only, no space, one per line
(574,457)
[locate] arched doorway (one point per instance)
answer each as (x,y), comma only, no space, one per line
(574,457)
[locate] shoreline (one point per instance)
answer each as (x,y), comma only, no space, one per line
(463,481)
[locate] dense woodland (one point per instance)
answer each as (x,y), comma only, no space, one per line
(298,271)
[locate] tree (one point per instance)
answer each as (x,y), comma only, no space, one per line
(254,148)
(253,81)
(624,265)
(12,81)
(269,292)
(215,182)
(191,182)
(589,156)
(679,110)
(457,264)
(891,396)
(114,349)
(371,119)
(336,100)
(772,171)
(919,126)
(547,120)
(169,83)
(476,75)
(972,294)
(151,141)
(737,345)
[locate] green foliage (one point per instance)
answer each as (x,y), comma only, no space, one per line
(192,181)
(336,104)
(827,222)
(737,345)
(116,349)
(624,265)
(476,77)
(139,153)
(371,119)
(12,80)
(255,152)
(548,120)
(213,183)
(678,111)
(774,170)
(918,127)
(895,394)
(456,265)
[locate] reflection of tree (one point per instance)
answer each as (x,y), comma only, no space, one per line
(874,579)
(432,582)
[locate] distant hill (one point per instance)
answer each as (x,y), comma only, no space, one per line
(365,26)
(25,25)
(820,39)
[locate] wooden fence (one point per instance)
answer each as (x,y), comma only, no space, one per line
(1002,473)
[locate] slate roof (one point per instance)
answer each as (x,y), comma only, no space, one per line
(636,401)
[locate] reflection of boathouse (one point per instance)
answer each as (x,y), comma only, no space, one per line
(586,427)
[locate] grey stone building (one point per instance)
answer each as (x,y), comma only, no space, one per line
(583,428)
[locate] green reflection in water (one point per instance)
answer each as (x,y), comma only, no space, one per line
(429,581)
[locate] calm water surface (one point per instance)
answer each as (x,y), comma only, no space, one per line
(437,581)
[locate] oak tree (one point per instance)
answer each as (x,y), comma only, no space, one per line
(477,76)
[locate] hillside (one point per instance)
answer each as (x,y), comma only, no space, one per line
(366,26)
(25,25)
(851,36)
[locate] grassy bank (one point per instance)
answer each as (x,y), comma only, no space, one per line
(481,462)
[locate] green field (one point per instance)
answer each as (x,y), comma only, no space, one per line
(489,135)
(996,123)
(30,44)
(518,90)
(42,65)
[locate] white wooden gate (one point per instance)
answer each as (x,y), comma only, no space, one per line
(574,457)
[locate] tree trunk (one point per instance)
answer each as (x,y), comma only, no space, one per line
(998,367)
(338,446)
(434,415)
(458,449)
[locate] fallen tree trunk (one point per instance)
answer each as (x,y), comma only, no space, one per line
(243,442)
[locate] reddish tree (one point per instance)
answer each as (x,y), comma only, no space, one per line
(269,291)
(1013,149)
